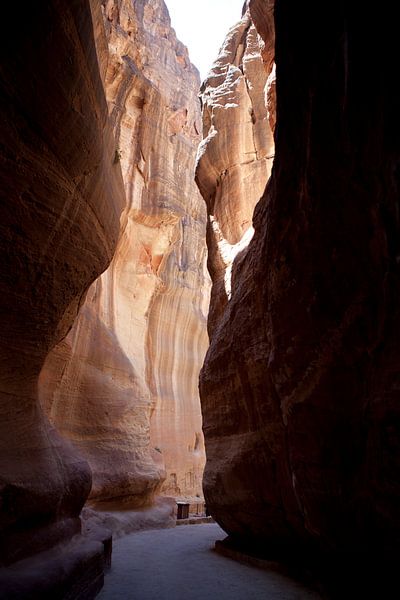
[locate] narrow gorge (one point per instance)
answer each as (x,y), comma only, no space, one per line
(198,277)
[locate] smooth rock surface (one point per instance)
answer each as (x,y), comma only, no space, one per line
(123,385)
(300,389)
(61,197)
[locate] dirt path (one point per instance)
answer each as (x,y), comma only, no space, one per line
(178,564)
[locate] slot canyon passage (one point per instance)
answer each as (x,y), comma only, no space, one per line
(199,276)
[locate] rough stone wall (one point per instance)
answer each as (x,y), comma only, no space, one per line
(300,385)
(123,384)
(61,198)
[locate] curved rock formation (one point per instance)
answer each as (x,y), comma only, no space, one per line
(235,157)
(300,384)
(61,199)
(128,370)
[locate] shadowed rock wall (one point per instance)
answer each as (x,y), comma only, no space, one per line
(300,385)
(60,202)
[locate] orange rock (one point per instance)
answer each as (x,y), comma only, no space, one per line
(125,380)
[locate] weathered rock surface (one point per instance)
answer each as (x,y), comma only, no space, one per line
(300,389)
(236,154)
(123,385)
(60,204)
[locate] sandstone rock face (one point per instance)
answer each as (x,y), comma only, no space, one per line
(61,200)
(236,154)
(123,385)
(300,384)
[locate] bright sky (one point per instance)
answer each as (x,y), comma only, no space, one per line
(202,26)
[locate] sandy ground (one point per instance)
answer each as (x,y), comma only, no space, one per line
(178,564)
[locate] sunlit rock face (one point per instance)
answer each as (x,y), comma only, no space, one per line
(61,200)
(123,385)
(236,154)
(300,387)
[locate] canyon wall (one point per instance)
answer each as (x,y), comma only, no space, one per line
(300,384)
(235,157)
(99,130)
(123,385)
(61,200)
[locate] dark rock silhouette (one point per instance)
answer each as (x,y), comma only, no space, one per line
(61,199)
(300,389)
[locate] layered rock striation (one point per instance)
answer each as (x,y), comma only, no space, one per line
(300,384)
(122,386)
(235,157)
(60,204)
(99,129)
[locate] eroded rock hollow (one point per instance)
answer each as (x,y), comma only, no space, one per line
(300,385)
